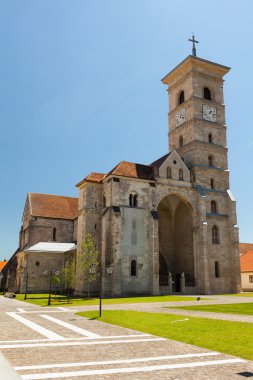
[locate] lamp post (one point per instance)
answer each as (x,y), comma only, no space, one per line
(50,288)
(26,286)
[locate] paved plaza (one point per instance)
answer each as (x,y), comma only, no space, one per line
(54,343)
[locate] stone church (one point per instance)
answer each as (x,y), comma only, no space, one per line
(169,226)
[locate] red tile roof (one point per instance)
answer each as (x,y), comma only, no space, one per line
(53,206)
(2,264)
(246,261)
(245,247)
(92,177)
(133,170)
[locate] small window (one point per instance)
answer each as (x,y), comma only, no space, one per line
(131,200)
(54,234)
(168,172)
(210,138)
(181,141)
(210,160)
(96,204)
(181,98)
(250,278)
(217,269)
(207,93)
(37,263)
(215,235)
(181,175)
(104,201)
(213,207)
(212,183)
(133,268)
(95,226)
(135,200)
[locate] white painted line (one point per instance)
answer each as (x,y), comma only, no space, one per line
(34,326)
(71,327)
(74,339)
(20,310)
(50,311)
(63,308)
(107,362)
(180,320)
(110,371)
(4,346)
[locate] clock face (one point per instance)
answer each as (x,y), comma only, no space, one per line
(209,113)
(180,117)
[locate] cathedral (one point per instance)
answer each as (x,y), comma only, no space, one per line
(170,226)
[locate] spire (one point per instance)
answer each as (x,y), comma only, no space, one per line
(193,45)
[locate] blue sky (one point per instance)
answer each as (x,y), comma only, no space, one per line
(80,91)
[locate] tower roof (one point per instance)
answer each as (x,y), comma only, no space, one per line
(191,63)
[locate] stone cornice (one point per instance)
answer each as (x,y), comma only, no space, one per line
(196,123)
(210,147)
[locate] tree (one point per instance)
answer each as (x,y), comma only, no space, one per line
(56,281)
(69,275)
(88,262)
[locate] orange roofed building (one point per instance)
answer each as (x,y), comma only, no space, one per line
(246,261)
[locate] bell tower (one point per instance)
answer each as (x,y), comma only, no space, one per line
(197,120)
(197,130)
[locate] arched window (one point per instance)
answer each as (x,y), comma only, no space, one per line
(168,172)
(210,160)
(181,175)
(213,207)
(181,141)
(210,138)
(54,234)
(181,98)
(215,235)
(133,268)
(207,93)
(216,269)
(131,200)
(212,183)
(135,200)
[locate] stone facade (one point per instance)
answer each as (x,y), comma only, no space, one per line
(170,226)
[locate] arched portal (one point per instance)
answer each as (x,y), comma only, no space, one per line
(176,242)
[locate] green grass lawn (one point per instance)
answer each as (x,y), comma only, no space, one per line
(41,299)
(234,308)
(233,338)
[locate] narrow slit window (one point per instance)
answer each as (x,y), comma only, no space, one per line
(168,172)
(181,141)
(207,93)
(54,234)
(133,268)
(212,183)
(181,175)
(215,235)
(181,98)
(213,207)
(217,269)
(210,138)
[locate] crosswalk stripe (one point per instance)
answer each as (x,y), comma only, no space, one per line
(50,375)
(34,326)
(71,327)
(121,361)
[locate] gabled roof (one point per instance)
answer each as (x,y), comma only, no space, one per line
(2,264)
(51,247)
(133,170)
(245,247)
(246,261)
(53,206)
(160,161)
(92,177)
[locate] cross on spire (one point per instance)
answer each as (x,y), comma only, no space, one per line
(193,45)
